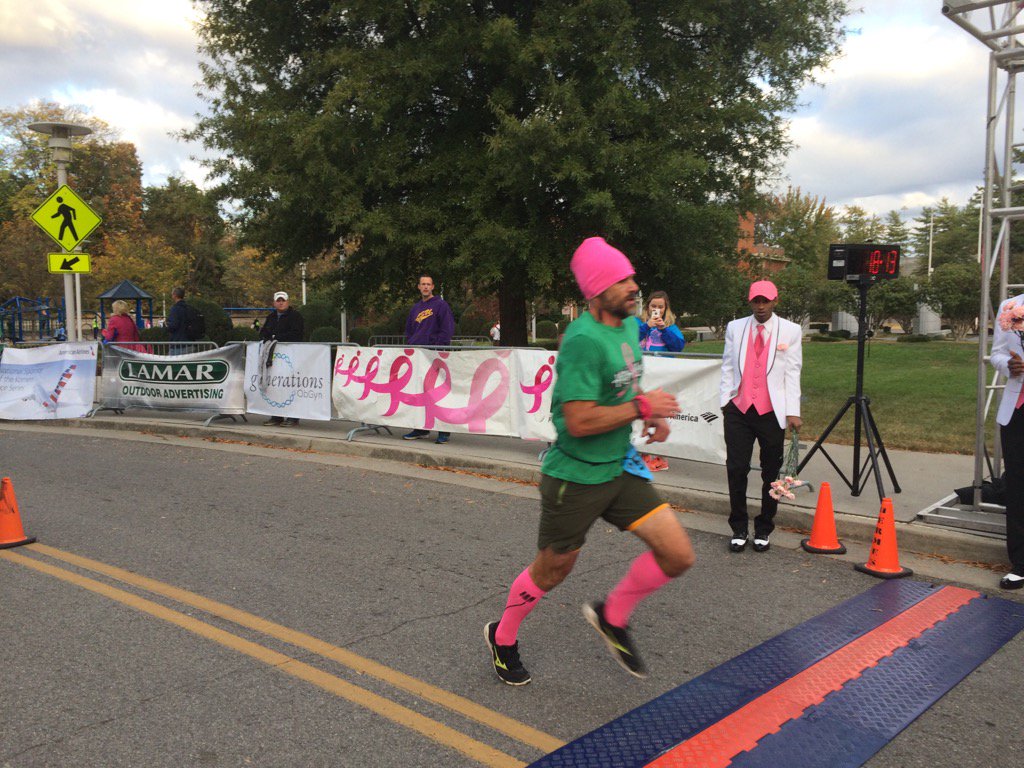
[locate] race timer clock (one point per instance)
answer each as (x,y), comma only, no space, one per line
(871,261)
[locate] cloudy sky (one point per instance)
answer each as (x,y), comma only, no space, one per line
(897,121)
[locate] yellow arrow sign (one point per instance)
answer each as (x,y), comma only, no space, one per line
(66,218)
(66,263)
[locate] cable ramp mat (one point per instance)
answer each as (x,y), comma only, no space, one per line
(829,692)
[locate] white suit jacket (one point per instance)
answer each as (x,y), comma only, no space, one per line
(1004,342)
(783,364)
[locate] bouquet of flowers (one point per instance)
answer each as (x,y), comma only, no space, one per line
(1012,319)
(783,487)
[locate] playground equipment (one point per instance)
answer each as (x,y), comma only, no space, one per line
(23,319)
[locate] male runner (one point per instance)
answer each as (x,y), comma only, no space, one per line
(588,473)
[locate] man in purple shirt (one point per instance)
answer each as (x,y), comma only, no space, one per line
(430,323)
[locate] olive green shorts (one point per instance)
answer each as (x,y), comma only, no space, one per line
(567,509)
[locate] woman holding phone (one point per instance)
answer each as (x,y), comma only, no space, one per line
(659,333)
(658,330)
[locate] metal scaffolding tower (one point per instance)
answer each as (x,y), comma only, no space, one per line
(997,24)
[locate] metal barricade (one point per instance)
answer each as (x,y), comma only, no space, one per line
(684,353)
(165,348)
(398,340)
(43,343)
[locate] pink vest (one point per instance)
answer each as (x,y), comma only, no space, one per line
(753,389)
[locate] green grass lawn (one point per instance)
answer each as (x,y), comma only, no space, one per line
(922,395)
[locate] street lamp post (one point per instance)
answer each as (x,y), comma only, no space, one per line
(344,313)
(931,230)
(60,146)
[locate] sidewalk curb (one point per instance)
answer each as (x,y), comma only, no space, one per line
(916,538)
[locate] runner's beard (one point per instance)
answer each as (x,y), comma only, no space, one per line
(623,310)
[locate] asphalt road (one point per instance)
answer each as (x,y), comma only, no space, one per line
(350,597)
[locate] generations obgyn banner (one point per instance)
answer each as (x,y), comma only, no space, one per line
(289,380)
(52,382)
(508,392)
(209,381)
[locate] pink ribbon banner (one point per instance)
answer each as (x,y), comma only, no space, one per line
(486,391)
(508,393)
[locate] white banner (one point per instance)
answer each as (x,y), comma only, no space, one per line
(57,381)
(696,433)
(295,382)
(508,392)
(209,381)
(464,391)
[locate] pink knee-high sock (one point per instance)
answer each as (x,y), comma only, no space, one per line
(643,578)
(522,597)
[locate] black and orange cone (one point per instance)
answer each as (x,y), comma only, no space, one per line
(11,532)
(824,539)
(884,560)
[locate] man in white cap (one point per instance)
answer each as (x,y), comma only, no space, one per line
(760,398)
(593,472)
(283,324)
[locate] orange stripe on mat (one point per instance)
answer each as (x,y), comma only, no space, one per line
(718,744)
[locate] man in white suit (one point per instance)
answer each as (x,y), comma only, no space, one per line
(1006,357)
(760,398)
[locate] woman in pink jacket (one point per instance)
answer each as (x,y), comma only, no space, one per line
(121,329)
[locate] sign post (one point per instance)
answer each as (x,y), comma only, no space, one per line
(60,144)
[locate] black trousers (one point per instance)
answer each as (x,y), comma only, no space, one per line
(741,430)
(1012,439)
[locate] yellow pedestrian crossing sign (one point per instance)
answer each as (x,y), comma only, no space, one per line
(66,218)
(67,263)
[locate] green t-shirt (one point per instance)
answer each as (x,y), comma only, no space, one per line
(603,364)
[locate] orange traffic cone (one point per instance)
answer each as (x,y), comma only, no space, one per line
(884,560)
(11,532)
(824,540)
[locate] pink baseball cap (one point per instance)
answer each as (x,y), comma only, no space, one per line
(597,266)
(764,288)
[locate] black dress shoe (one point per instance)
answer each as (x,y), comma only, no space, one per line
(736,544)
(1012,580)
(762,545)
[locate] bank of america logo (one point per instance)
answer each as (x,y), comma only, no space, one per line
(708,416)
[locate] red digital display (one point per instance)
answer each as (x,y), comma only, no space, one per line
(882,263)
(866,260)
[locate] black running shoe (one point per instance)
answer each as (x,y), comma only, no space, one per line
(617,639)
(505,658)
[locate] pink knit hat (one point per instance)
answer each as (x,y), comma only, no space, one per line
(597,266)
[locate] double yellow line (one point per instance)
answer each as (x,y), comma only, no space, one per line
(408,718)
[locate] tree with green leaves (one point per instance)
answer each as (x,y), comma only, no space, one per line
(189,219)
(797,285)
(483,140)
(954,291)
(895,229)
(803,225)
(897,300)
(859,226)
(950,230)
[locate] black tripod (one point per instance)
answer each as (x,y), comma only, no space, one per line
(862,416)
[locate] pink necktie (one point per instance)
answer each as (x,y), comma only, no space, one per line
(759,341)
(1020,399)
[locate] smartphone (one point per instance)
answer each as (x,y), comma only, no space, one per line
(655,313)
